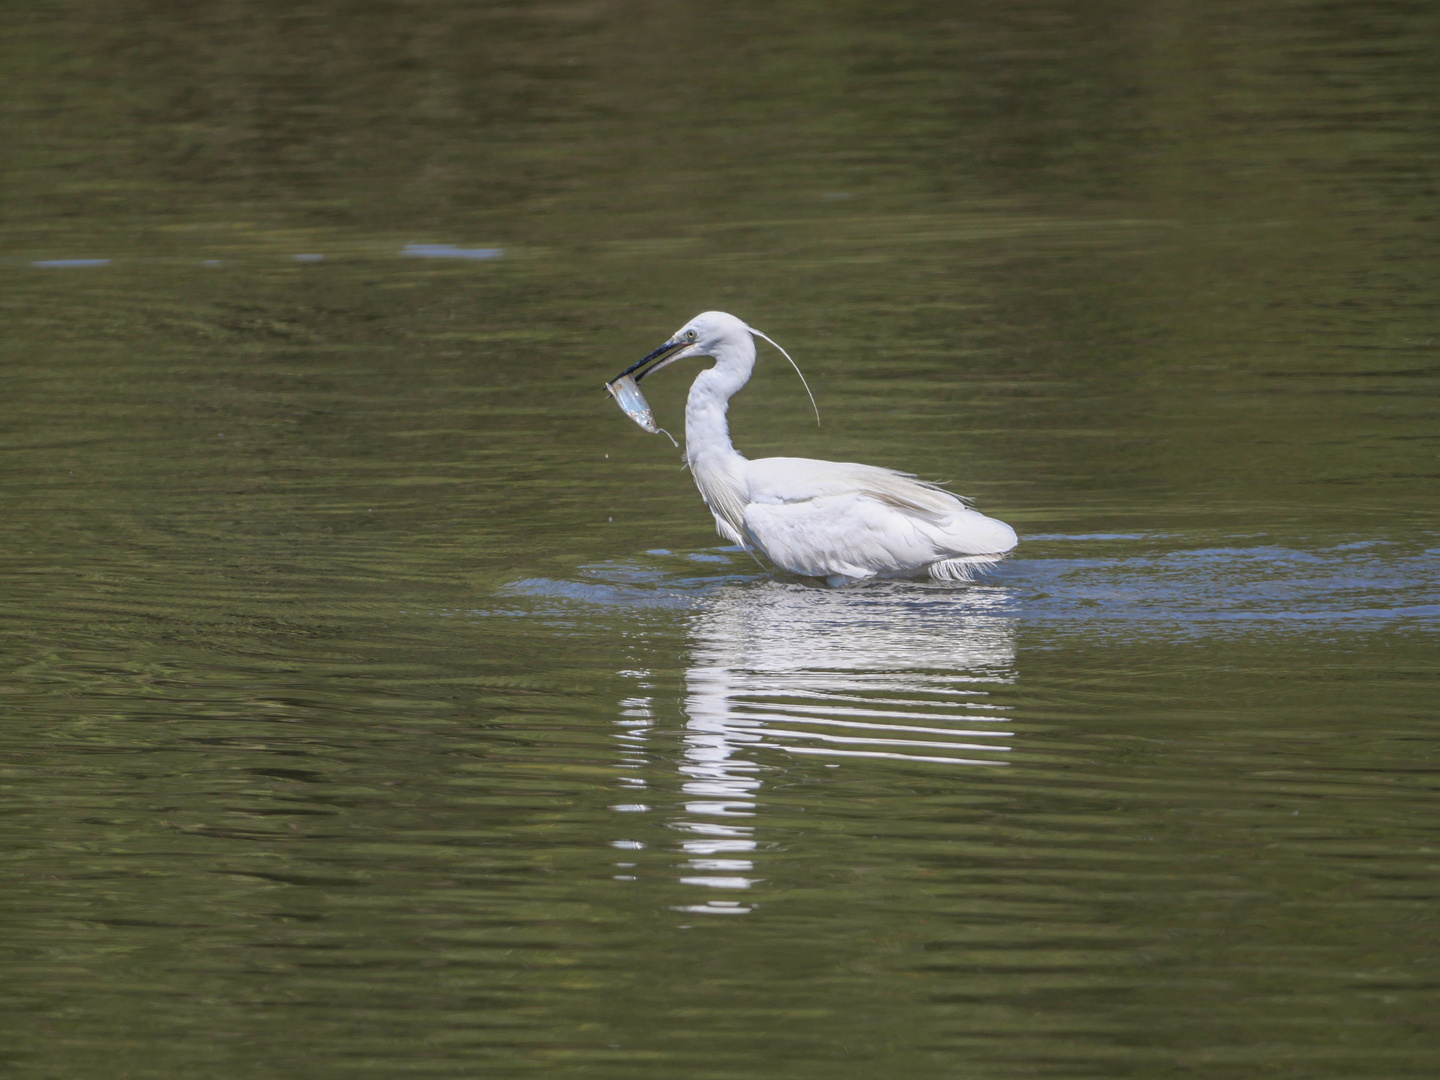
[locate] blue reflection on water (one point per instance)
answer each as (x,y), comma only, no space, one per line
(65,264)
(450,251)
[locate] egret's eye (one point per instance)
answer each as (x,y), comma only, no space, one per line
(690,335)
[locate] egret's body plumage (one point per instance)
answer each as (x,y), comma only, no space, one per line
(831,519)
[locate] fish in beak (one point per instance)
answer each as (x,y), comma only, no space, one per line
(625,387)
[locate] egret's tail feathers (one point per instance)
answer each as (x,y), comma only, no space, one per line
(963,567)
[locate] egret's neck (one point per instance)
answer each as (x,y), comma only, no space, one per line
(707,431)
(718,468)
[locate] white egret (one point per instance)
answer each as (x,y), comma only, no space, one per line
(827,519)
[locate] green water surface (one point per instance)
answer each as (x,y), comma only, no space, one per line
(376,700)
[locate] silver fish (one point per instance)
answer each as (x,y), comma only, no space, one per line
(628,396)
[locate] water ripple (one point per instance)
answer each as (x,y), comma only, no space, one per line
(1354,584)
(1148,583)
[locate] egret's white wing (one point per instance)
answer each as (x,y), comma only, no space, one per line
(798,479)
(826,519)
(897,513)
(848,535)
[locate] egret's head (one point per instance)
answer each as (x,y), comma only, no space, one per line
(711,333)
(707,332)
(705,335)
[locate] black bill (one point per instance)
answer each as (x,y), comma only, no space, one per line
(655,358)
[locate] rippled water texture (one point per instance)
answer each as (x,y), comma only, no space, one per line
(377,699)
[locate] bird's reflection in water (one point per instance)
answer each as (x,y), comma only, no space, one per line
(887,671)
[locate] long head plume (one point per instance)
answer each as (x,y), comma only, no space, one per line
(796,366)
